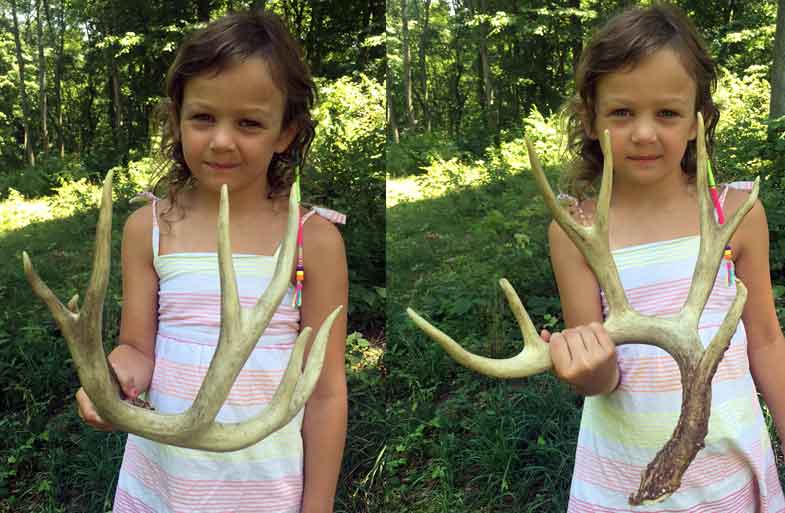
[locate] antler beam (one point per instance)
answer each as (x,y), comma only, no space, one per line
(678,336)
(240,330)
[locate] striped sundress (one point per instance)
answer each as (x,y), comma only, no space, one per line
(264,478)
(621,432)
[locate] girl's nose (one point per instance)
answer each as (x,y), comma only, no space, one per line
(222,139)
(643,131)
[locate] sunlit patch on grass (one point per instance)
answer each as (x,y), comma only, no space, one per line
(16,211)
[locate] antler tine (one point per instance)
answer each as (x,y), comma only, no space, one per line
(240,329)
(714,237)
(578,233)
(533,359)
(313,368)
(99,277)
(592,241)
(291,395)
(606,185)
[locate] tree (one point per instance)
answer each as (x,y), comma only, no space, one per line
(777,109)
(22,91)
(407,66)
(42,78)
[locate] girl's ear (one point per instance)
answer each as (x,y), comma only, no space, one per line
(286,137)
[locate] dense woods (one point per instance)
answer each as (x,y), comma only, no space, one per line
(474,69)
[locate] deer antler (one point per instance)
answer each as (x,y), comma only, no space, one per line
(240,330)
(678,335)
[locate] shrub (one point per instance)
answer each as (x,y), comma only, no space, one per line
(347,173)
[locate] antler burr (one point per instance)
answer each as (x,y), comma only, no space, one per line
(240,330)
(678,335)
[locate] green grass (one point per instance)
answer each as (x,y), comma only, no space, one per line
(461,442)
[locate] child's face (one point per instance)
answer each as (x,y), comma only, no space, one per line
(650,113)
(230,125)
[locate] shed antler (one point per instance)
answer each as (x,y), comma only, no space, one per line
(677,335)
(240,330)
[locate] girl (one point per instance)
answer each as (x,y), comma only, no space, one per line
(644,77)
(238,113)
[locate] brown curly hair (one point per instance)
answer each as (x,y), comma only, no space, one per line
(223,42)
(620,44)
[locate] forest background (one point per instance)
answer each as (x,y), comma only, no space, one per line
(466,80)
(78,84)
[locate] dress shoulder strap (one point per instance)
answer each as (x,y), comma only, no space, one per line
(156,230)
(741,186)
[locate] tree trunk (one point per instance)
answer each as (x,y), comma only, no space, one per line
(424,36)
(487,100)
(778,67)
(391,122)
(456,112)
(116,107)
(577,34)
(22,92)
(312,42)
(407,67)
(58,73)
(42,79)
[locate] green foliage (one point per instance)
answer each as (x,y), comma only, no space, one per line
(743,102)
(417,151)
(346,172)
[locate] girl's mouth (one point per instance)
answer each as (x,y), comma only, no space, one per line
(221,166)
(644,158)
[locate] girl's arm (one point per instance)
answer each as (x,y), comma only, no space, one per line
(133,358)
(765,341)
(583,355)
(324,425)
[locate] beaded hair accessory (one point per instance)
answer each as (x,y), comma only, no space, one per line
(715,198)
(297,300)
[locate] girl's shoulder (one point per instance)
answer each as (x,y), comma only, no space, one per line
(140,219)
(320,231)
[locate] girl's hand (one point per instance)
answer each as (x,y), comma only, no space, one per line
(584,357)
(133,371)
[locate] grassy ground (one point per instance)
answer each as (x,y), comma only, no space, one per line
(462,442)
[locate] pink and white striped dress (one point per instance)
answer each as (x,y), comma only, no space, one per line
(264,478)
(620,433)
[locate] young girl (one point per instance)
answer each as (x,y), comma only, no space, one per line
(644,77)
(238,114)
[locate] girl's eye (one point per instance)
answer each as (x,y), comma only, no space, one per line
(621,113)
(250,123)
(202,117)
(668,113)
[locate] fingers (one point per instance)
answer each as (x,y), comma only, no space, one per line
(585,357)
(125,380)
(88,414)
